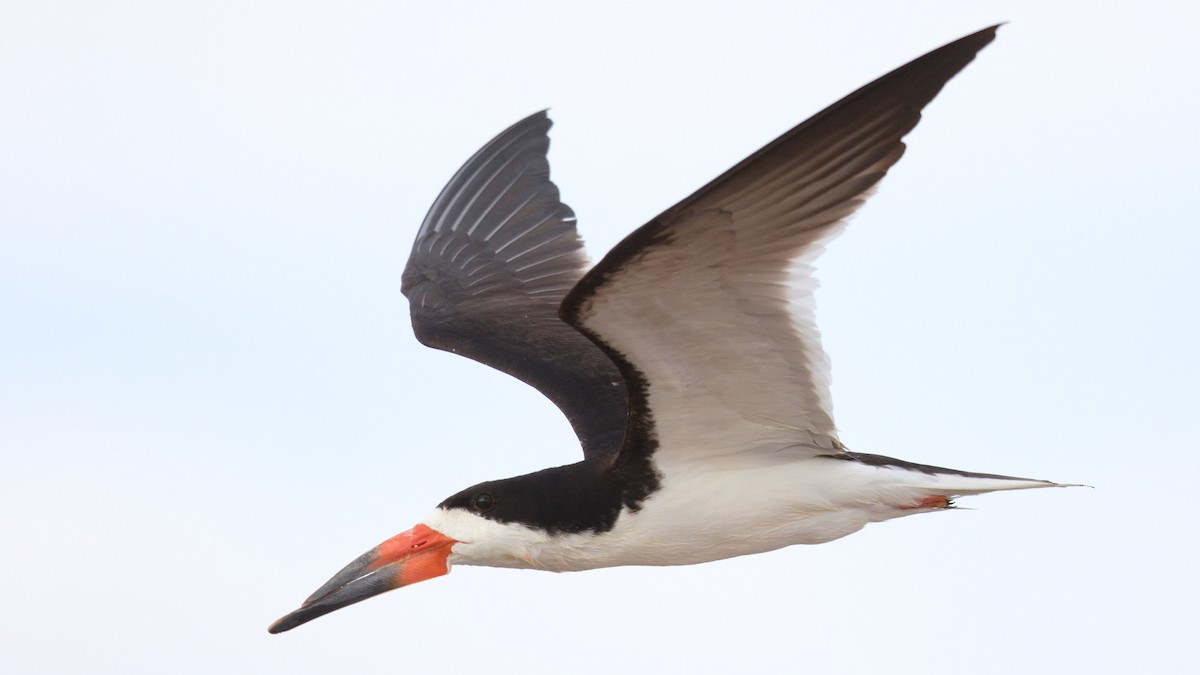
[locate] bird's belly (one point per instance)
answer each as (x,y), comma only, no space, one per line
(708,512)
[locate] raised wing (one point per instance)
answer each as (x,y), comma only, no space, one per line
(490,266)
(708,309)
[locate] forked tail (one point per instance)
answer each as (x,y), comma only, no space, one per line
(941,484)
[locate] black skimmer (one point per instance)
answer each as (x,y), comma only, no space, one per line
(687,361)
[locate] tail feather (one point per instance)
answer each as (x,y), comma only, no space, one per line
(941,481)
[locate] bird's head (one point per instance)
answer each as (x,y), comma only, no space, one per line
(504,523)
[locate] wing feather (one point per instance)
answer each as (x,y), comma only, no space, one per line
(490,266)
(708,309)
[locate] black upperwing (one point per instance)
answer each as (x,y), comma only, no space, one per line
(490,266)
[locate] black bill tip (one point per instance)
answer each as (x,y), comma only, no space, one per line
(360,589)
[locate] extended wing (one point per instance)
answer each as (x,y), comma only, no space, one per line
(490,265)
(708,308)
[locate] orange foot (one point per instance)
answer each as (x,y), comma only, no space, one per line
(935,502)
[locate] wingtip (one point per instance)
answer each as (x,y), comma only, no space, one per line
(987,35)
(979,39)
(540,115)
(990,30)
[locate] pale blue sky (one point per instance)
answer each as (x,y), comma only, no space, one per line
(210,398)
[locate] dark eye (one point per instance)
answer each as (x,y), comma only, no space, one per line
(482,502)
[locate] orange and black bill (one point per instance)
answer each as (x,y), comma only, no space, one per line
(405,559)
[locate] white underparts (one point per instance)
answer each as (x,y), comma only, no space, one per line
(712,510)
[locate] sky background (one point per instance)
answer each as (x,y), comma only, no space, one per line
(211,399)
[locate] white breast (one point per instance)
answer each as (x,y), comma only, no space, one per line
(714,509)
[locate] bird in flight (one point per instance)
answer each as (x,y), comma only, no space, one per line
(687,361)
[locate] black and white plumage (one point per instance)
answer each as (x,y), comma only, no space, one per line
(687,361)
